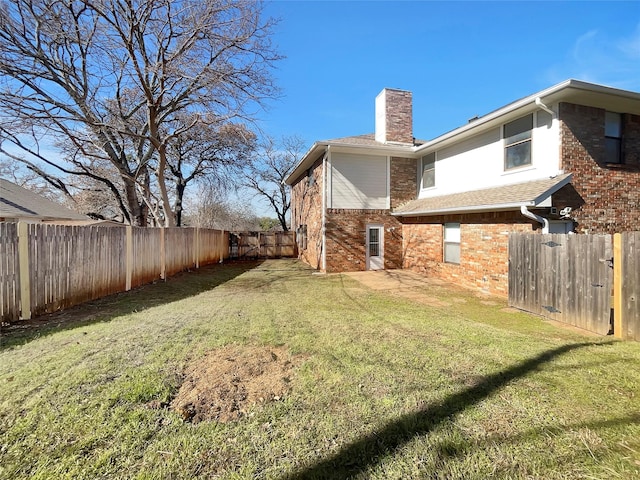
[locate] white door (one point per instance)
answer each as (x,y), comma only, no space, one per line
(375,247)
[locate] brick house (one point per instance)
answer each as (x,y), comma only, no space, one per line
(566,159)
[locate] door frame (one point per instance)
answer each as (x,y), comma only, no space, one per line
(378,263)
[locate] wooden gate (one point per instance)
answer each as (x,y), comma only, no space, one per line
(263,245)
(627,285)
(567,278)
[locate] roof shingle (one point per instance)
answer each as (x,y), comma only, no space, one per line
(496,198)
(18,202)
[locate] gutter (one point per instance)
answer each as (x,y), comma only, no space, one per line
(475,208)
(545,222)
(545,108)
(552,91)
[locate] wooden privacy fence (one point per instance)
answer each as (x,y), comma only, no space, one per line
(626,285)
(263,245)
(46,267)
(578,279)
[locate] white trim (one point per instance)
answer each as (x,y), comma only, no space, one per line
(421,172)
(329,187)
(534,120)
(455,241)
(323,258)
(388,200)
(475,208)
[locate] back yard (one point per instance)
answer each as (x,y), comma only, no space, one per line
(267,370)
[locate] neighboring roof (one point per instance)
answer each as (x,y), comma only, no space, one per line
(507,197)
(18,202)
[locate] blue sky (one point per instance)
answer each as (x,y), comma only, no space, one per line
(460,59)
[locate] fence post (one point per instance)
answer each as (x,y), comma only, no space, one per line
(196,248)
(223,247)
(23,261)
(163,258)
(129,257)
(618,331)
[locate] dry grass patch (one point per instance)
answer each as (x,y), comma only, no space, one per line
(225,383)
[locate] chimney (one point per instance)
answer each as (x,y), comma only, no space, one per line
(394,116)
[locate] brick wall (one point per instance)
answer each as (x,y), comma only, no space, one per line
(306,209)
(346,229)
(397,116)
(484,243)
(346,235)
(404,180)
(610,193)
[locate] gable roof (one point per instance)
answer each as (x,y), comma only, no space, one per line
(359,142)
(572,91)
(507,197)
(18,202)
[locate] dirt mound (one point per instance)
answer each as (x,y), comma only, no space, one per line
(224,383)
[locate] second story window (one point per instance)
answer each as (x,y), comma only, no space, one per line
(429,170)
(517,142)
(613,137)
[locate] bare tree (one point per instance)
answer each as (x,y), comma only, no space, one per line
(211,208)
(267,174)
(213,153)
(108,81)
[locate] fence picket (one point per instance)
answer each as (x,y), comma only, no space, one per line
(9,272)
(65,265)
(630,286)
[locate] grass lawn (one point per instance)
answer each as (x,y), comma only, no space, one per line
(386,387)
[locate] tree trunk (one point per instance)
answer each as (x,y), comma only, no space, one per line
(180,188)
(137,212)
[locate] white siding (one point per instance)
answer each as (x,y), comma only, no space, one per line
(359,181)
(478,162)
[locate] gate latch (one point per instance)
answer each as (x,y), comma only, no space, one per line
(608,261)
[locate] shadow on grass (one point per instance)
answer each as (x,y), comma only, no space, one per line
(177,287)
(356,457)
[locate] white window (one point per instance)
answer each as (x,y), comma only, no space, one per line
(613,137)
(429,170)
(517,142)
(452,243)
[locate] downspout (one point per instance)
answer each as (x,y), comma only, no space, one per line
(545,108)
(523,209)
(324,209)
(537,218)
